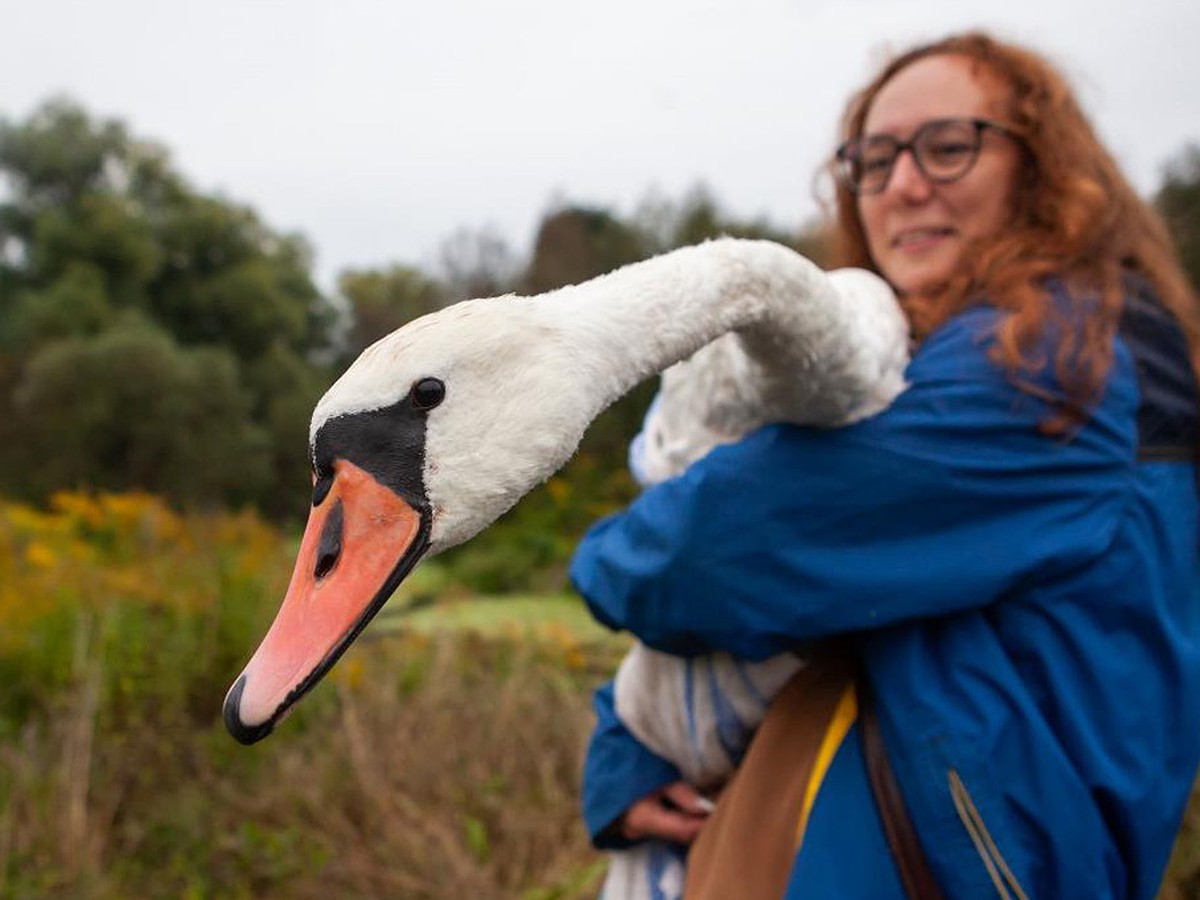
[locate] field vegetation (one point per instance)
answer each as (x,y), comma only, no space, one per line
(435,763)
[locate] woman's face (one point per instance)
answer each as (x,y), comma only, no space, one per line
(917,229)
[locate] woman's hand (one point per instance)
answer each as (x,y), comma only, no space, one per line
(673,813)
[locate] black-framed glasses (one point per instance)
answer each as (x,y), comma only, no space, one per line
(943,149)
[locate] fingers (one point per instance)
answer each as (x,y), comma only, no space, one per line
(650,819)
(688,799)
(675,813)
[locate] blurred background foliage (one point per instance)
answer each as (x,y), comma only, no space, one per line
(161,350)
(156,338)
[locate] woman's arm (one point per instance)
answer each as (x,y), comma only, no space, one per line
(944,502)
(618,772)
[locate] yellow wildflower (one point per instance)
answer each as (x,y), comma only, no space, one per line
(40,556)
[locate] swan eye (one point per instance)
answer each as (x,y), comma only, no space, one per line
(427,393)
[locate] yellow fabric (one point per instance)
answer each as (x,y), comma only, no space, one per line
(843,717)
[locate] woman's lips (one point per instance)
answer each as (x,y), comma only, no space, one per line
(915,240)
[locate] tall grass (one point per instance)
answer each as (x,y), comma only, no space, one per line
(429,766)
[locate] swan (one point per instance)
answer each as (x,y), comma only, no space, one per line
(440,427)
(699,713)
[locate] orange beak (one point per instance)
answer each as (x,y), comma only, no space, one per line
(360,542)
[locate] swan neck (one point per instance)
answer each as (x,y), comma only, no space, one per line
(632,323)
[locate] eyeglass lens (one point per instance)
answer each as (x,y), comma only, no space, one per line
(944,151)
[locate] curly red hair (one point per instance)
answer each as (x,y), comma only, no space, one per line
(1076,218)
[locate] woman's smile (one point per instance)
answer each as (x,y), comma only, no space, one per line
(921,240)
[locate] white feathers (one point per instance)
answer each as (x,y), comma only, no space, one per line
(525,376)
(710,398)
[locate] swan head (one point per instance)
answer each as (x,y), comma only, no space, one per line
(442,426)
(433,433)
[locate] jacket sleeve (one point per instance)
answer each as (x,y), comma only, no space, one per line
(946,501)
(618,772)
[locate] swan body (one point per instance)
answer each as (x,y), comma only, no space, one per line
(699,713)
(440,427)
(711,397)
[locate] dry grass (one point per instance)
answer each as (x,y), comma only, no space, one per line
(465,787)
(429,767)
(452,775)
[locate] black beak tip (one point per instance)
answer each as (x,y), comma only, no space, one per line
(242,733)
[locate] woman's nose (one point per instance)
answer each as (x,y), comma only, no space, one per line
(908,182)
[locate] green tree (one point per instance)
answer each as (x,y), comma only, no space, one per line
(577,243)
(476,263)
(381,300)
(131,407)
(104,249)
(1178,200)
(59,154)
(285,388)
(74,304)
(699,217)
(228,279)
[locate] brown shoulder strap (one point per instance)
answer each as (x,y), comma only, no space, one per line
(918,880)
(748,846)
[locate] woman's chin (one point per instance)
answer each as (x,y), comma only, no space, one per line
(907,280)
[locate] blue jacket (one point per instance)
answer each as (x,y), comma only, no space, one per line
(1026,608)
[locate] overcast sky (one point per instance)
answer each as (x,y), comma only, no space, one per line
(377,129)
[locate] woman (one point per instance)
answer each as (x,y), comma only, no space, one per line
(1008,553)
